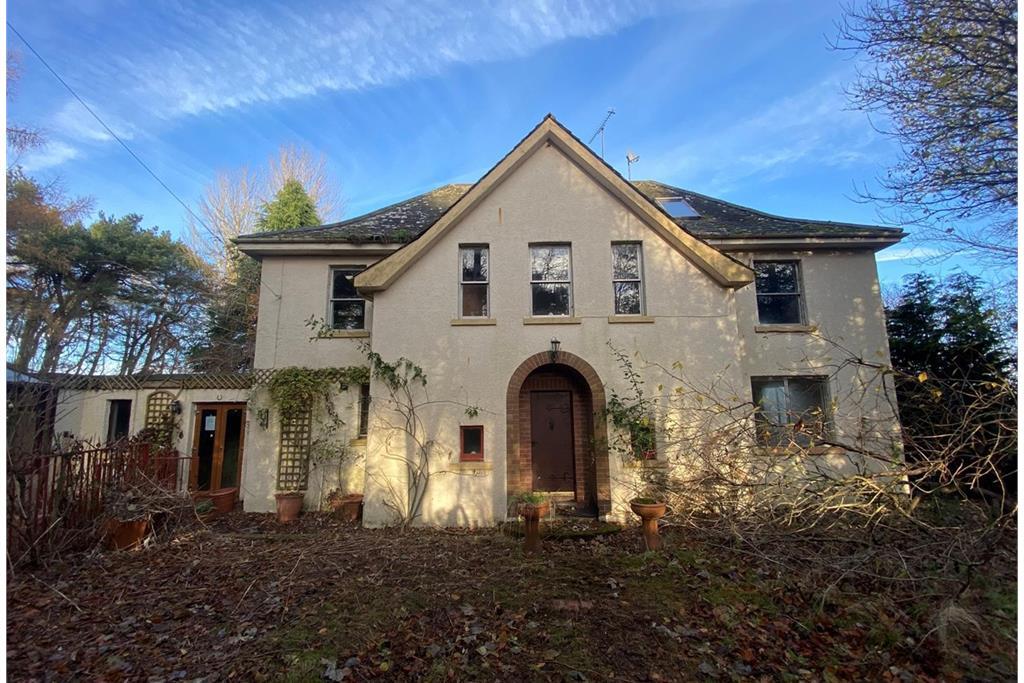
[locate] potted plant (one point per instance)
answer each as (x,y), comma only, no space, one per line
(128,521)
(649,509)
(532,506)
(289,505)
(224,499)
(348,508)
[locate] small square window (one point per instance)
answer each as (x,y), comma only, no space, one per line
(472,446)
(777,286)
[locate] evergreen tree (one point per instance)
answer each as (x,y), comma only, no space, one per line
(291,208)
(231,319)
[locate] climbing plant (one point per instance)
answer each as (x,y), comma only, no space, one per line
(310,428)
(632,413)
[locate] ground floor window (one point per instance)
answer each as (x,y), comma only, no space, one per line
(472,444)
(791,409)
(119,419)
(364,408)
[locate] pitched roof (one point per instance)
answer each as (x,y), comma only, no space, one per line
(722,268)
(717,219)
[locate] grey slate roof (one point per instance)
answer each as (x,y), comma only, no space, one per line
(408,219)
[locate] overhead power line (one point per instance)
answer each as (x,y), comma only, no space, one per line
(106,127)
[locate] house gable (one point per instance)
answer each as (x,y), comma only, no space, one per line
(724,270)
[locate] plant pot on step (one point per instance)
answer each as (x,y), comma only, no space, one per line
(531,514)
(224,499)
(289,505)
(649,511)
(350,509)
(125,534)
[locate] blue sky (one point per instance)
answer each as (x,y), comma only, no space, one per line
(737,99)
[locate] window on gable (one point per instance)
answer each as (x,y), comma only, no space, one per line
(348,309)
(472,443)
(119,419)
(777,284)
(627,278)
(474,281)
(790,410)
(551,279)
(677,207)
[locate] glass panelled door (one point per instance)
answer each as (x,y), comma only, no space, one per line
(217,446)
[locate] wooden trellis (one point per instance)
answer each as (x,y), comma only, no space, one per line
(160,417)
(293,454)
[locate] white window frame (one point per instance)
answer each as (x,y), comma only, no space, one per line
(331,299)
(572,303)
(487,282)
(640,272)
(826,400)
(663,200)
(799,293)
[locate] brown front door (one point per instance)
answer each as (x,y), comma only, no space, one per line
(551,441)
(217,446)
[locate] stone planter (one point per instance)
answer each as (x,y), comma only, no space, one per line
(289,505)
(531,514)
(224,500)
(649,514)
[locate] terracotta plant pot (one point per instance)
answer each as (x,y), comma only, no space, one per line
(289,505)
(123,535)
(649,514)
(350,509)
(224,500)
(531,513)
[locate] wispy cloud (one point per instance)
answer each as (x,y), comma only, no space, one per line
(810,125)
(73,121)
(214,59)
(53,153)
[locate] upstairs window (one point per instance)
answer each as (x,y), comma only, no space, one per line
(777,284)
(790,410)
(119,419)
(472,443)
(627,278)
(677,207)
(348,309)
(551,279)
(474,281)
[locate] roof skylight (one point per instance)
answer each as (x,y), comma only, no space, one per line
(677,207)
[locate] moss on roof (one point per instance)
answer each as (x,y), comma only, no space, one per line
(406,220)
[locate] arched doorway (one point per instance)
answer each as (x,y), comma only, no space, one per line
(557,434)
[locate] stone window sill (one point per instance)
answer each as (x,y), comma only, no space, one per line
(626,319)
(358,442)
(472,322)
(344,334)
(552,320)
(805,329)
(471,467)
(647,465)
(796,450)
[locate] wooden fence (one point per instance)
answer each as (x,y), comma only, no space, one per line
(55,499)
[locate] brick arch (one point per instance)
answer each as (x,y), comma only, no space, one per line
(518,465)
